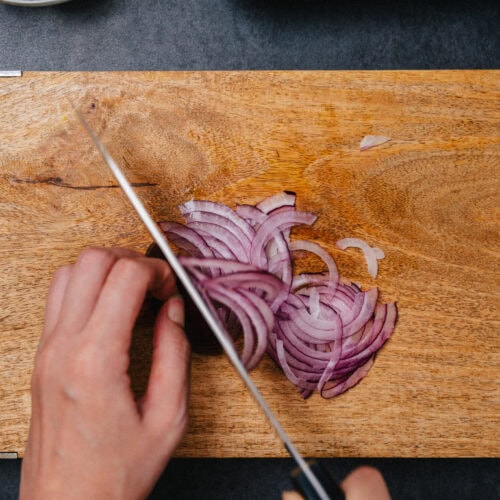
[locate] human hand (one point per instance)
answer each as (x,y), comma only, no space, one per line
(88,437)
(363,483)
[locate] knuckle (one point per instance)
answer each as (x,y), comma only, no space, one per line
(129,266)
(174,423)
(93,256)
(47,362)
(86,363)
(46,354)
(55,366)
(44,361)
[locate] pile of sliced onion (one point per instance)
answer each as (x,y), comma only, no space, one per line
(322,331)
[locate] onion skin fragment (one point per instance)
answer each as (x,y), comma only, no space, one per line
(321,330)
(371,141)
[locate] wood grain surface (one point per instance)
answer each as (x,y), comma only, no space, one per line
(429,198)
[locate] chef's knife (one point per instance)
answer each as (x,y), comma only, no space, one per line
(304,477)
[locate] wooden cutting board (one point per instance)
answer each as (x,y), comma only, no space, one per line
(428,198)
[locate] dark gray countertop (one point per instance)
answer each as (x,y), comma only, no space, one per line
(250,34)
(260,34)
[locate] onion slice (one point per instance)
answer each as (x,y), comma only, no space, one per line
(370,141)
(372,254)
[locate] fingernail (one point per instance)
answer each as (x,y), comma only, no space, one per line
(175,310)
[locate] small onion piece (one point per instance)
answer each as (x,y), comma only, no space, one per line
(320,329)
(370,141)
(372,254)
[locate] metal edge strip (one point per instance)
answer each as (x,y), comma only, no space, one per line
(10,74)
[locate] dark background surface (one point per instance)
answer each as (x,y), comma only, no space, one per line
(251,34)
(260,34)
(262,479)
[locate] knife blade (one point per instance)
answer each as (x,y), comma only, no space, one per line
(313,487)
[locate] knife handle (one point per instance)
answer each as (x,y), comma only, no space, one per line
(305,488)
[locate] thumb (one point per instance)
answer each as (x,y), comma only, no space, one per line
(165,402)
(291,495)
(365,483)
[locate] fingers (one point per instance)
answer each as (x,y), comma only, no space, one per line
(165,402)
(291,495)
(175,311)
(55,298)
(84,286)
(365,483)
(122,295)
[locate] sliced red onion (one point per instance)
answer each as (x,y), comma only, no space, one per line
(251,320)
(335,387)
(370,141)
(197,209)
(321,330)
(251,214)
(281,199)
(372,254)
(186,239)
(279,220)
(309,246)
